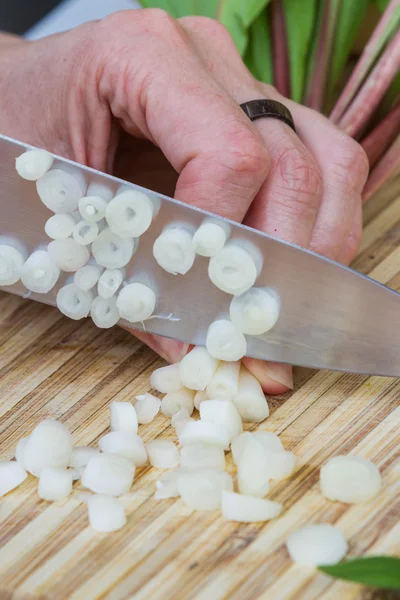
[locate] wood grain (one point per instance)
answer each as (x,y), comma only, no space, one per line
(50,366)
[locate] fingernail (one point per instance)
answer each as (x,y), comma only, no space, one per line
(280,372)
(174,350)
(275,378)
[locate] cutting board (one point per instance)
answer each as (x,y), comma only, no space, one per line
(53,367)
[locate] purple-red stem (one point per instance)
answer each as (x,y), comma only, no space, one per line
(280,48)
(387,167)
(380,138)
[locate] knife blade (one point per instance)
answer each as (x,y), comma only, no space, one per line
(331,317)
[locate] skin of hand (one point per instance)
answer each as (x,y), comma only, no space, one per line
(151,98)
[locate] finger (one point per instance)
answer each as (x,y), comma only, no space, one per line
(170,350)
(275,378)
(352,244)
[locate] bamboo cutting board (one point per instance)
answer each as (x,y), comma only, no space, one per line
(51,366)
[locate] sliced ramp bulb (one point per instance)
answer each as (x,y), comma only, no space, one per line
(225,342)
(129,214)
(147,408)
(92,208)
(68,255)
(202,489)
(210,237)
(12,474)
(81,455)
(202,456)
(104,313)
(315,545)
(225,381)
(125,443)
(59,227)
(19,451)
(111,251)
(199,397)
(109,474)
(109,282)
(11,264)
(247,509)
(205,432)
(33,164)
(55,483)
(350,479)
(49,445)
(86,277)
(106,514)
(163,454)
(166,379)
(85,233)
(252,470)
(173,249)
(249,399)
(223,412)
(136,302)
(179,420)
(40,273)
(60,189)
(101,190)
(255,312)
(197,368)
(174,401)
(123,417)
(269,440)
(239,444)
(233,270)
(73,302)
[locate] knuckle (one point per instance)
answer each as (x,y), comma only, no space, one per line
(300,177)
(251,160)
(350,164)
(154,21)
(206,25)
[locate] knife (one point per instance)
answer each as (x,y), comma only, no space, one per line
(330,316)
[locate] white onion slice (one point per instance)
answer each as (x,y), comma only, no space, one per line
(86,277)
(225,381)
(20,449)
(49,445)
(85,232)
(81,455)
(247,509)
(109,474)
(123,417)
(136,302)
(109,282)
(125,443)
(252,470)
(199,397)
(166,379)
(174,401)
(314,545)
(104,312)
(254,312)
(173,249)
(68,255)
(225,342)
(106,514)
(163,454)
(250,400)
(92,208)
(205,432)
(202,489)
(12,474)
(233,270)
(210,237)
(33,164)
(101,190)
(130,213)
(202,456)
(11,264)
(60,189)
(40,273)
(238,445)
(197,368)
(147,407)
(350,479)
(59,227)
(55,483)
(111,251)
(223,412)
(73,302)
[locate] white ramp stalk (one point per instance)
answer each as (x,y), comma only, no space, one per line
(197,368)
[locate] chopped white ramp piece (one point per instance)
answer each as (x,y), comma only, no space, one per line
(68,255)
(202,489)
(247,509)
(49,445)
(130,214)
(19,451)
(210,237)
(225,342)
(205,432)
(85,232)
(81,455)
(123,417)
(197,368)
(224,413)
(12,474)
(269,440)
(202,456)
(92,208)
(315,545)
(111,251)
(350,479)
(55,483)
(109,282)
(163,454)
(250,399)
(11,264)
(147,407)
(254,312)
(40,273)
(33,164)
(60,189)
(106,514)
(125,443)
(252,470)
(104,312)
(109,474)
(86,277)
(179,420)
(166,379)
(174,401)
(136,302)
(199,397)
(73,302)
(173,249)
(59,227)
(100,190)
(225,381)
(233,270)
(239,444)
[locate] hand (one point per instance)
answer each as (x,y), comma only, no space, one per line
(91,94)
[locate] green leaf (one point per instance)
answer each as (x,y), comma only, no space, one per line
(381,4)
(376,571)
(258,57)
(300,22)
(237,16)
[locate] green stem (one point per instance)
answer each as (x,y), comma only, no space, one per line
(387,167)
(380,138)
